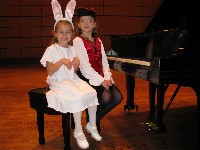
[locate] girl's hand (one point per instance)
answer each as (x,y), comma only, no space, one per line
(76,63)
(67,63)
(105,84)
(108,82)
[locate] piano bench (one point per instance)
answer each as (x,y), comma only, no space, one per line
(38,102)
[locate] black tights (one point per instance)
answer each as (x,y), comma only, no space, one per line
(108,100)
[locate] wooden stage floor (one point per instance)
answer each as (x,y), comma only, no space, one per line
(18,129)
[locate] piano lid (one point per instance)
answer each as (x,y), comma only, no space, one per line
(170,14)
(146,46)
(182,14)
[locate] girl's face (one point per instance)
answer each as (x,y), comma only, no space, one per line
(63,33)
(86,24)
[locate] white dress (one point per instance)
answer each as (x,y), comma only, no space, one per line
(68,93)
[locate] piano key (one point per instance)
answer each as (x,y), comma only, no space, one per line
(131,61)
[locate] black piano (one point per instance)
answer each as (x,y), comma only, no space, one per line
(166,53)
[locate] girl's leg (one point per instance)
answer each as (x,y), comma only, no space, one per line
(109,100)
(78,132)
(91,125)
(78,126)
(92,115)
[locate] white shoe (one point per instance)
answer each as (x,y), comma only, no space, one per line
(82,144)
(94,132)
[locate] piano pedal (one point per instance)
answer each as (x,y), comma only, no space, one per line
(149,124)
(161,128)
(127,108)
(158,127)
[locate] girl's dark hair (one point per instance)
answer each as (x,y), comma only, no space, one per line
(82,11)
(54,39)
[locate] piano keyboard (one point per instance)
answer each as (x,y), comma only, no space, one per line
(130,61)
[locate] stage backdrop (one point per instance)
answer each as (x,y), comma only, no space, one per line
(26,25)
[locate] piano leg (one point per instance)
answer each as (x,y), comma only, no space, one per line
(197,92)
(152,108)
(130,85)
(156,112)
(160,103)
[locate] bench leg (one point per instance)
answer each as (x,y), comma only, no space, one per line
(99,126)
(40,124)
(66,130)
(72,121)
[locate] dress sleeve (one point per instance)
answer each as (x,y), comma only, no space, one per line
(85,67)
(106,69)
(47,56)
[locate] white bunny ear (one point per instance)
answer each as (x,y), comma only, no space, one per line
(69,12)
(56,10)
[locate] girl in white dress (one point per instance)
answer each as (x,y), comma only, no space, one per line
(68,93)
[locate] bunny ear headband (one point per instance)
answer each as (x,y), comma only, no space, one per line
(69,11)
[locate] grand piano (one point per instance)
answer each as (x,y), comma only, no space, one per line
(167,52)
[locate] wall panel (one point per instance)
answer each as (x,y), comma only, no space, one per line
(31,2)
(14,30)
(133,11)
(30,32)
(6,11)
(30,21)
(90,3)
(19,21)
(46,31)
(30,10)
(7,43)
(46,42)
(131,2)
(26,25)
(11,53)
(9,2)
(29,52)
(48,21)
(32,42)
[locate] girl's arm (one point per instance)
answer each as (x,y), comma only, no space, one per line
(85,67)
(106,69)
(52,68)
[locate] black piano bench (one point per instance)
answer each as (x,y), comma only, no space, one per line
(38,102)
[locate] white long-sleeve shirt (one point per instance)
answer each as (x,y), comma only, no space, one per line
(85,67)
